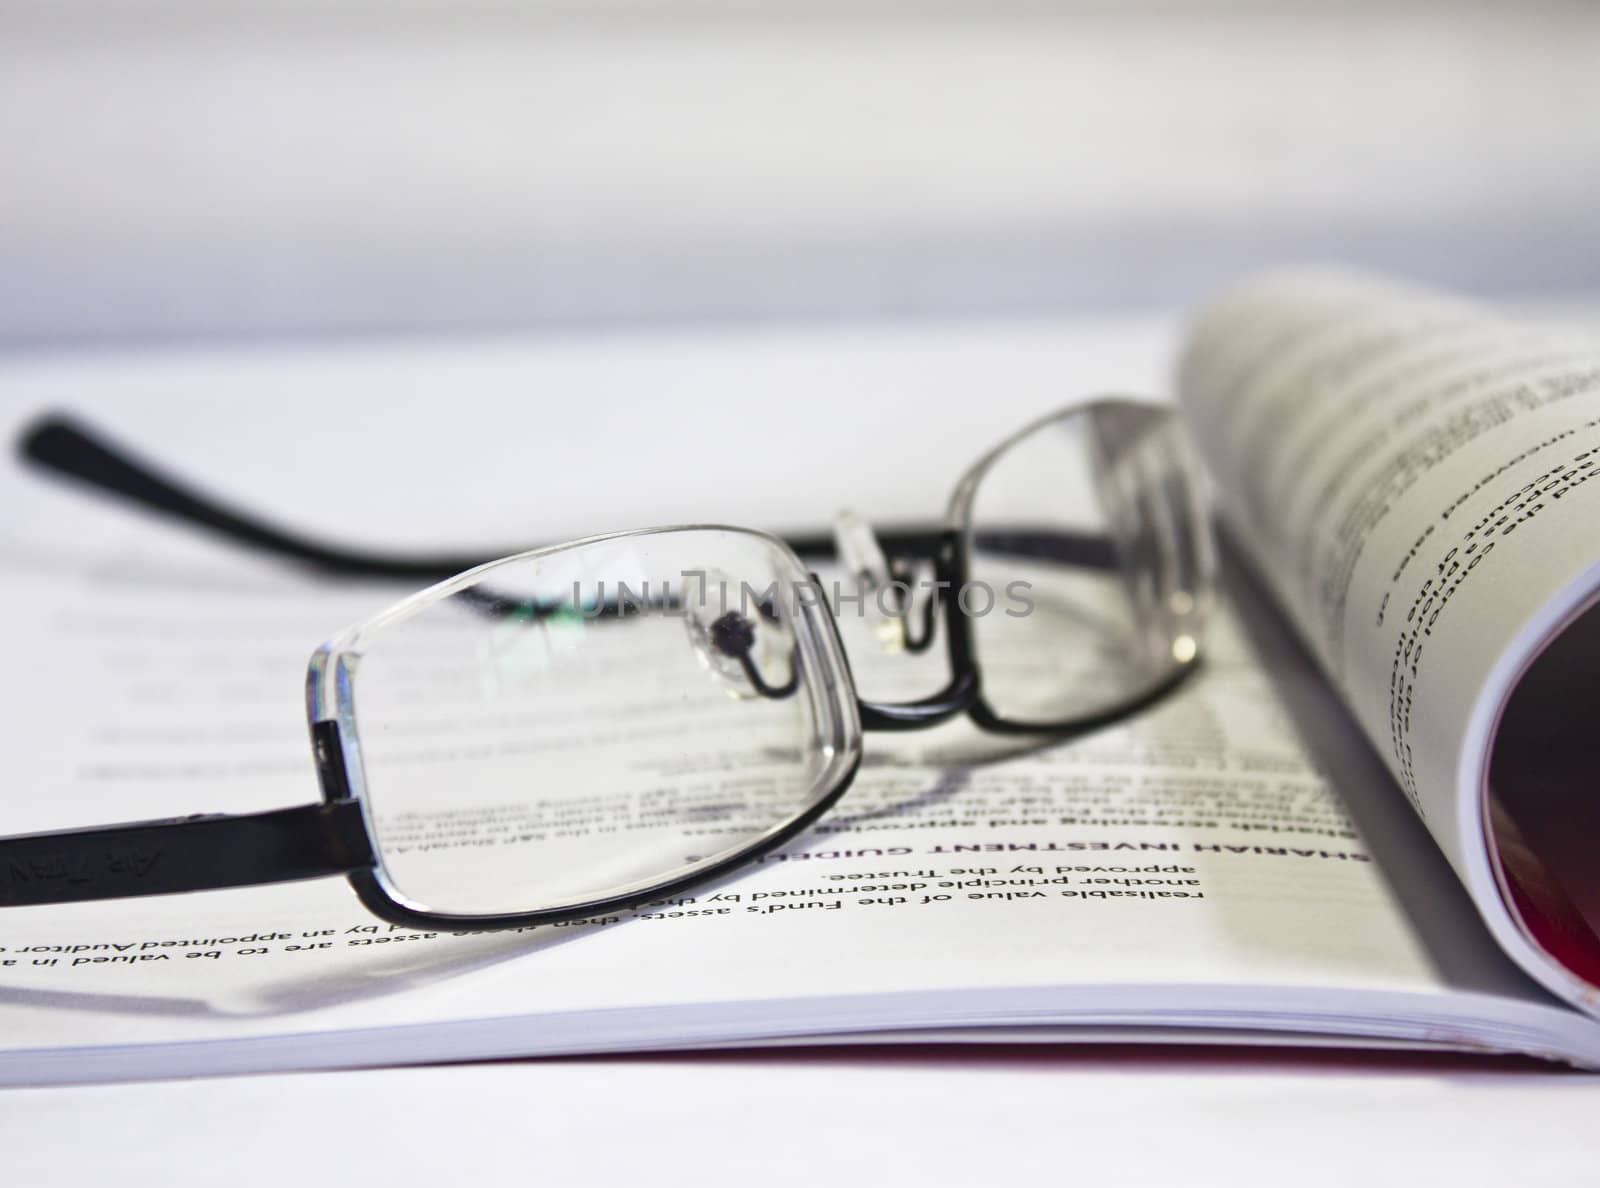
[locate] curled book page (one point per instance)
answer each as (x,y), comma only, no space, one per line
(1414,475)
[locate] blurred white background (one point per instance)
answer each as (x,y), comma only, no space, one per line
(172,168)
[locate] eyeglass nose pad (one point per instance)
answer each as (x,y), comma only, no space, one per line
(737,638)
(865,563)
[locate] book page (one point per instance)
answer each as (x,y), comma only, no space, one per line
(1192,868)
(1413,475)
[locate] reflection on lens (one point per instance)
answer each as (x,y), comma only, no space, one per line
(594,721)
(1091,527)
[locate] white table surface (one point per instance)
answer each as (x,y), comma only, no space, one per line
(1140,1116)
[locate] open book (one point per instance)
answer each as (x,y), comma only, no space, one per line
(1366,822)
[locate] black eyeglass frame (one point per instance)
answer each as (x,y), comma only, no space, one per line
(219,851)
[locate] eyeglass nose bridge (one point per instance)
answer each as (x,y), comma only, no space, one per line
(902,593)
(864,559)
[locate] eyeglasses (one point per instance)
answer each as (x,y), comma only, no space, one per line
(584,728)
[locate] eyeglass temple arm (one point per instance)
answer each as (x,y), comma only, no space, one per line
(200,853)
(69,448)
